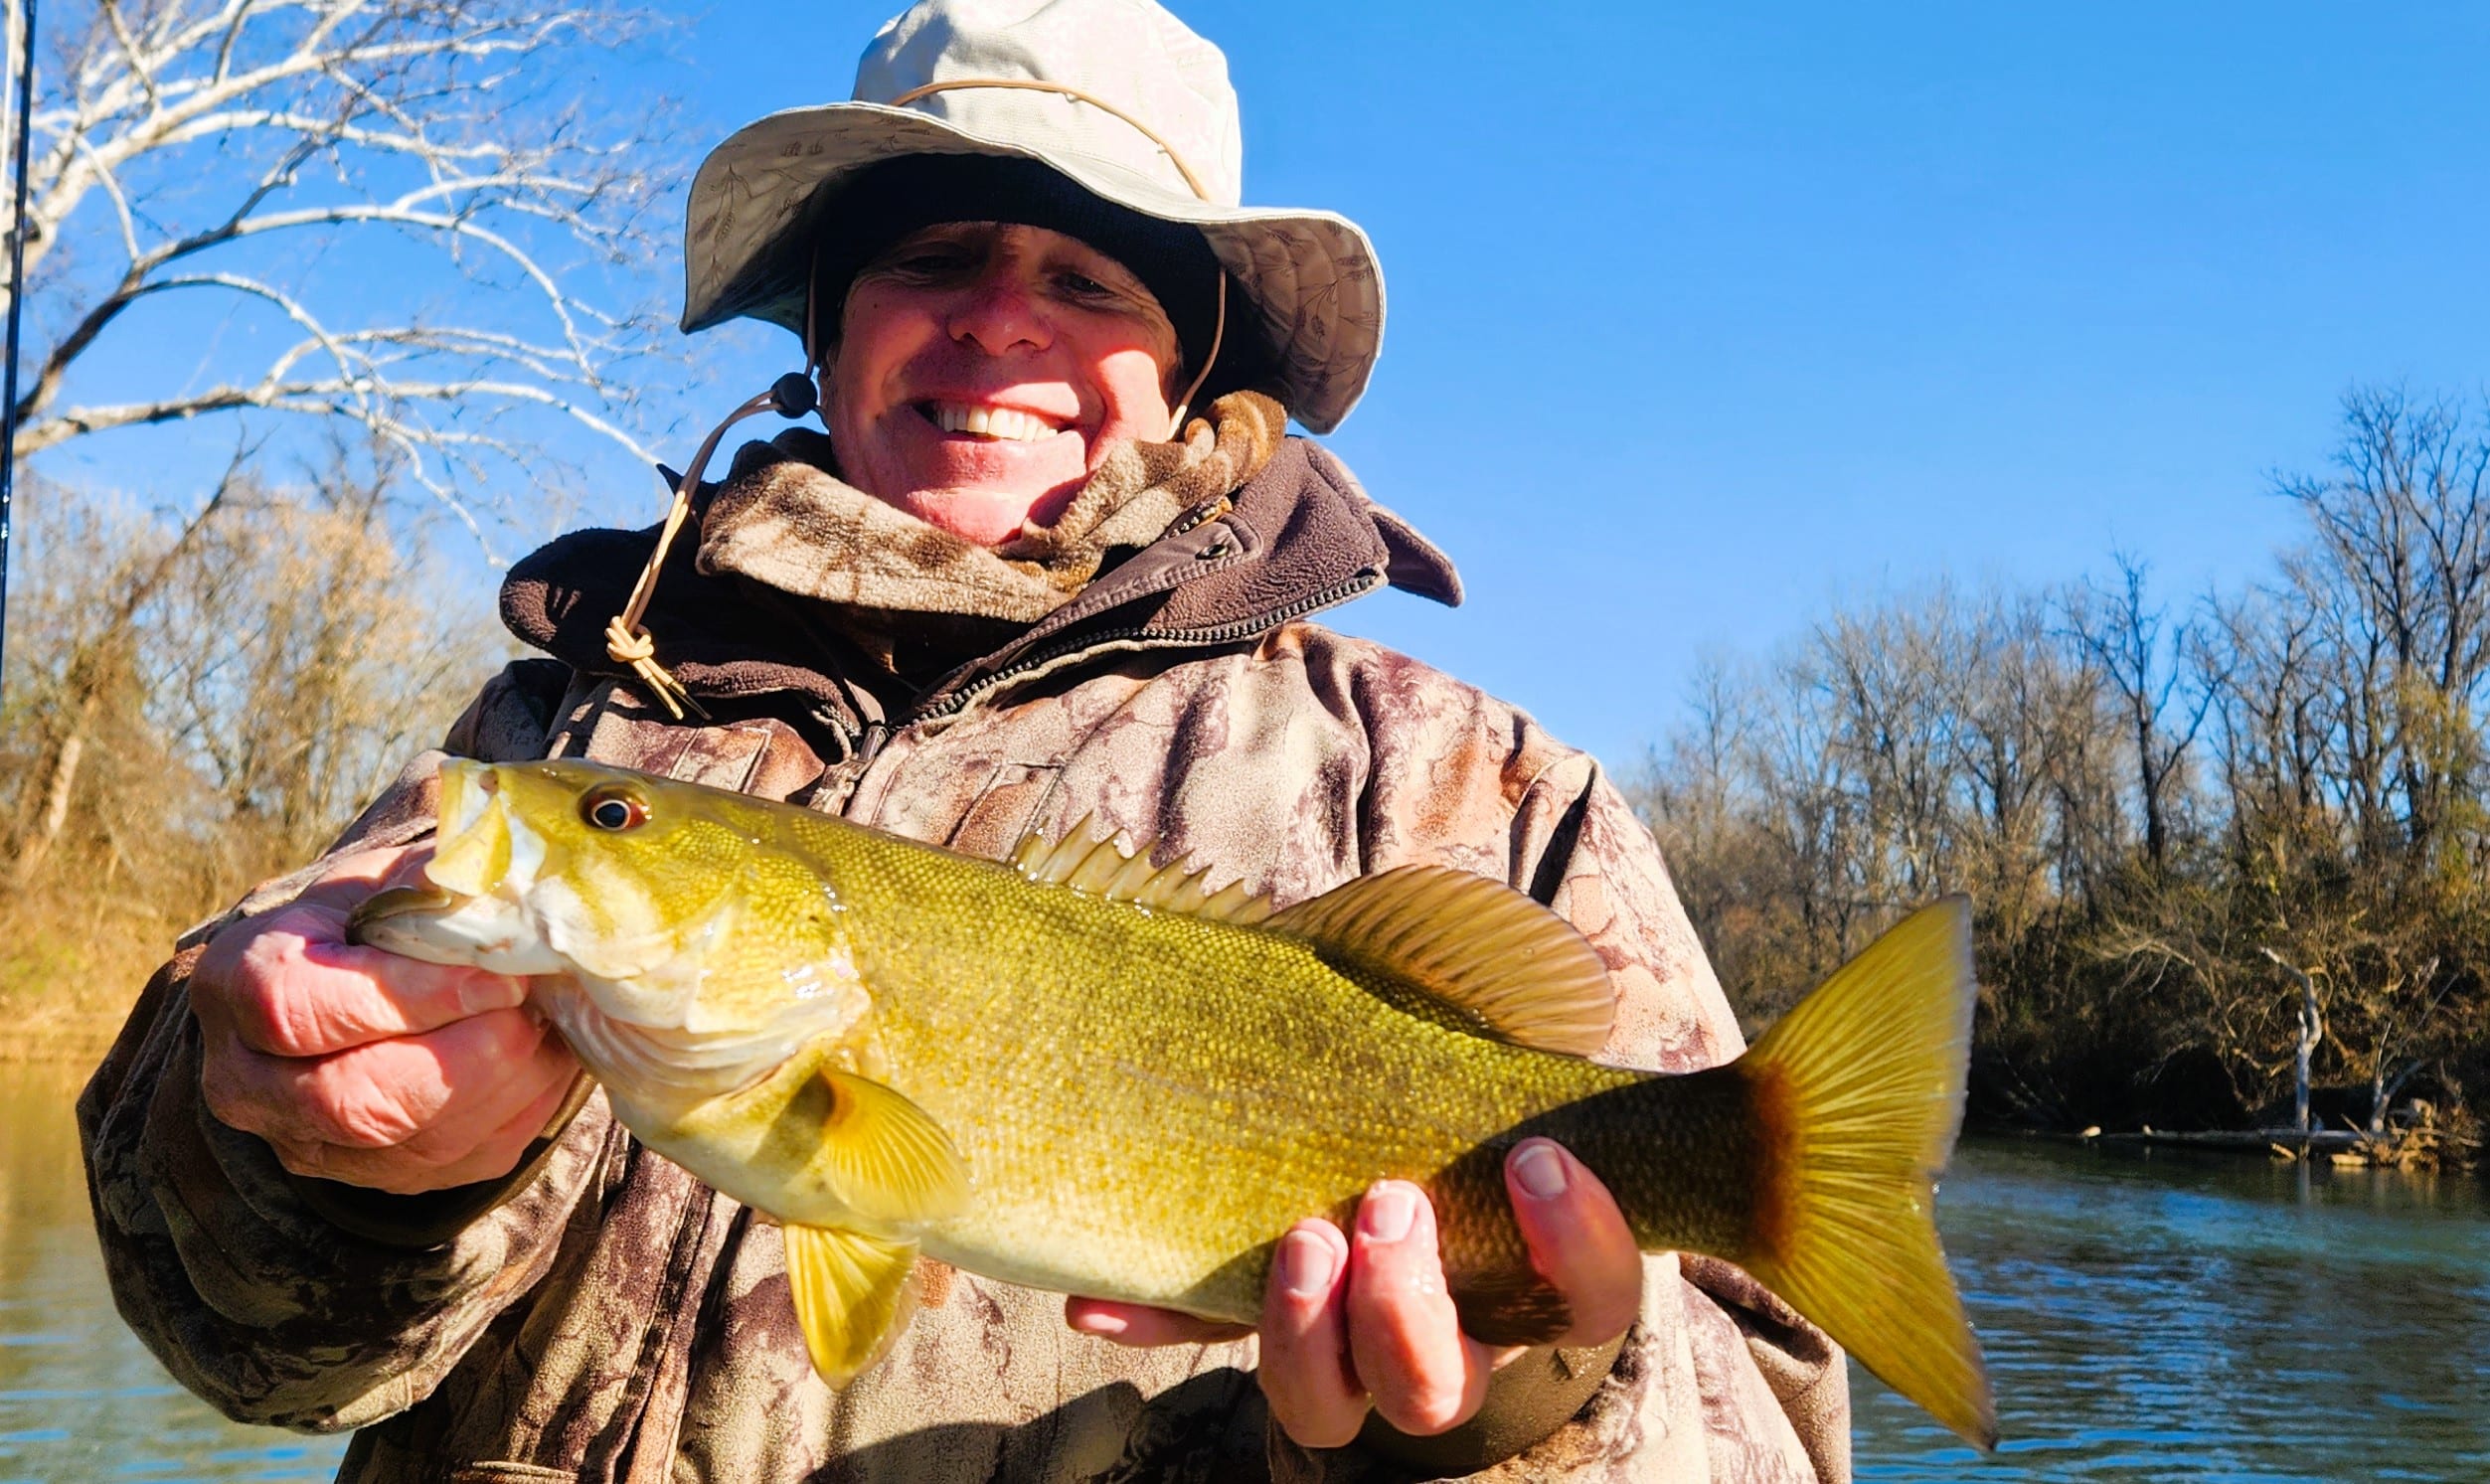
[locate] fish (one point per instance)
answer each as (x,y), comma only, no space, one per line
(1079,1071)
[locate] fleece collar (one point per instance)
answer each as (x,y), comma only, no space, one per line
(785,520)
(769,599)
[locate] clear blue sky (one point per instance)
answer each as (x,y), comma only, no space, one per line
(1701,316)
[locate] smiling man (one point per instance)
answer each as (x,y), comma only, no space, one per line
(1050,557)
(982,369)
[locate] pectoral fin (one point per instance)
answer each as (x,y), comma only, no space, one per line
(885,1157)
(852,1296)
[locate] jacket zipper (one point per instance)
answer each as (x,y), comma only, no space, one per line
(1339,592)
(868,745)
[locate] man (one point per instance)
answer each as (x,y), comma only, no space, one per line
(1012,586)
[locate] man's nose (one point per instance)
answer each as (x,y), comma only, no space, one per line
(999,314)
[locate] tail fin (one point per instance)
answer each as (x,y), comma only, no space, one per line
(1860,1091)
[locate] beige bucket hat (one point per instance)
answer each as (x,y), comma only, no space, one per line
(1119,96)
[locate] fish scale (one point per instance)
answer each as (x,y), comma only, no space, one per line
(1232,1079)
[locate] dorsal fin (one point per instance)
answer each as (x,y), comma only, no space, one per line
(1104,867)
(1472,943)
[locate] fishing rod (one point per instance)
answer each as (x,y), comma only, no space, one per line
(17,309)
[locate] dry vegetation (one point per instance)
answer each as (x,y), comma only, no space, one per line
(196,703)
(2167,815)
(418,227)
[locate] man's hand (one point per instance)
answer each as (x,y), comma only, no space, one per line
(362,1066)
(1359,1322)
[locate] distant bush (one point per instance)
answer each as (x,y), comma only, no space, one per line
(194,704)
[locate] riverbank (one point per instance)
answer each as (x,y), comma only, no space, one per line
(62,1029)
(2424,1148)
(2421,1147)
(71,971)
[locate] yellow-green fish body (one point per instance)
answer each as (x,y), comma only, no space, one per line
(1075,1072)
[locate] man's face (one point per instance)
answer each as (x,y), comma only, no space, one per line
(985,369)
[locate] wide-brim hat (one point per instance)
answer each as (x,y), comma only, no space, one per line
(1117,95)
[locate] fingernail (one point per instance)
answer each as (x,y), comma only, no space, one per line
(1306,1264)
(1538,1170)
(1388,1211)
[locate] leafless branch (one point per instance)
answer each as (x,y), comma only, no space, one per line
(184,131)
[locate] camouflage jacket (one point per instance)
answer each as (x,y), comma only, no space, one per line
(603,1315)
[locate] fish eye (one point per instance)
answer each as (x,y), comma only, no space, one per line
(613,808)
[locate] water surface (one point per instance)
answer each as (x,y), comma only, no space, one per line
(2162,1317)
(2192,1315)
(81,1399)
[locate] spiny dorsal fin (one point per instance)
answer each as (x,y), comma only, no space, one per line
(1472,943)
(1104,867)
(853,1296)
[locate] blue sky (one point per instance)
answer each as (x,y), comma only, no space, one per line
(1701,317)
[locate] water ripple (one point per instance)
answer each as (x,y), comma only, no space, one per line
(2208,1318)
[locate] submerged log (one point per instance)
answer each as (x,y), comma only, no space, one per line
(2421,1147)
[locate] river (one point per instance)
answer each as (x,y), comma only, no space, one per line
(2147,1317)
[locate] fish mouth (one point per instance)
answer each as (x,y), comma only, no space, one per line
(364,927)
(470,909)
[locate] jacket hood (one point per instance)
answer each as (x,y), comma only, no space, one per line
(1299,536)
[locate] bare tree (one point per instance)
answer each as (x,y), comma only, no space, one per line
(235,683)
(411,190)
(96,661)
(2305,767)
(2123,632)
(2403,551)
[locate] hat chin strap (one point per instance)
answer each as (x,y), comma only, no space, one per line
(795,393)
(626,643)
(1218,334)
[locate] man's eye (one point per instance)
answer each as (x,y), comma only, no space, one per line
(1083,286)
(928,263)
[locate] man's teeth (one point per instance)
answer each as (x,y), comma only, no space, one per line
(1007,423)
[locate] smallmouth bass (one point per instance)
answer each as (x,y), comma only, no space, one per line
(1080,1073)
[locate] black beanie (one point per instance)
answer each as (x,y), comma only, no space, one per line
(856,219)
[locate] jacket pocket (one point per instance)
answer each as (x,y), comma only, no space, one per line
(506,1473)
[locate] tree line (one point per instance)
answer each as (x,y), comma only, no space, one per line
(2203,838)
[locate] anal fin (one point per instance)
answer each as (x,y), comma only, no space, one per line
(853,1296)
